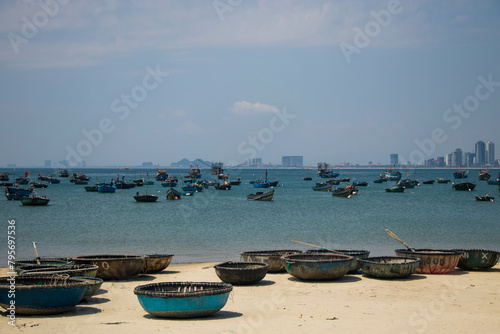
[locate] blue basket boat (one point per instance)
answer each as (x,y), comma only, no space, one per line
(93,287)
(42,295)
(183,299)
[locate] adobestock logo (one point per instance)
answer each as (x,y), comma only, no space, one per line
(373,28)
(30,28)
(265,136)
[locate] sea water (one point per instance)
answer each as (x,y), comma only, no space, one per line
(216,225)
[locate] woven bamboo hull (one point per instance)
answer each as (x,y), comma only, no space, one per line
(117,267)
(43,295)
(432,261)
(271,257)
(241,273)
(389,266)
(477,259)
(156,263)
(317,266)
(183,299)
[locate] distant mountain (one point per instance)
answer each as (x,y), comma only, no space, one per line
(186,163)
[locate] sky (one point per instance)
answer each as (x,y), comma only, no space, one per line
(126,82)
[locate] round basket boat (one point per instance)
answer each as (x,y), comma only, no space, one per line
(117,267)
(93,287)
(77,270)
(41,294)
(156,263)
(389,266)
(241,273)
(317,266)
(432,261)
(477,259)
(183,299)
(356,254)
(44,263)
(270,257)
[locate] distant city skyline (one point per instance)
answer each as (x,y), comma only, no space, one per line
(114,83)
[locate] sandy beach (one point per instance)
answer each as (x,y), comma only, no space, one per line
(459,302)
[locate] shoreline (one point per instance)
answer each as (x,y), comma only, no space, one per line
(283,304)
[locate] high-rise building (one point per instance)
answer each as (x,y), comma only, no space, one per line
(292,161)
(457,159)
(469,159)
(480,150)
(490,153)
(394,159)
(440,162)
(449,160)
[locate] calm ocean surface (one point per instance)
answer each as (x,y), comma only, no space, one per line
(217,225)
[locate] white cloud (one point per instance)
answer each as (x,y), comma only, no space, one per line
(245,108)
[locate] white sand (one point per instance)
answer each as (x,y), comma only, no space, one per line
(459,302)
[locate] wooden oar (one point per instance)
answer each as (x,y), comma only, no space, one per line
(36,252)
(330,250)
(401,241)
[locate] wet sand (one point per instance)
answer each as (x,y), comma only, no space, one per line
(459,302)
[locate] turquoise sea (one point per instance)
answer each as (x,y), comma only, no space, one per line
(217,225)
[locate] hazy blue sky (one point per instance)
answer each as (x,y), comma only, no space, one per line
(122,82)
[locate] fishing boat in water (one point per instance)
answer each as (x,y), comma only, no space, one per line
(145,197)
(407,183)
(326,173)
(169,183)
(467,186)
(323,186)
(495,181)
(439,180)
(428,182)
(360,184)
(484,175)
(91,188)
(173,194)
(461,174)
(261,196)
(17,193)
(344,191)
(35,200)
(63,173)
(106,188)
(226,185)
(391,175)
(485,198)
(4,177)
(38,184)
(236,182)
(396,189)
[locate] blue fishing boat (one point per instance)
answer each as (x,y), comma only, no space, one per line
(42,295)
(183,299)
(322,187)
(106,188)
(16,193)
(189,187)
(326,173)
(461,174)
(169,183)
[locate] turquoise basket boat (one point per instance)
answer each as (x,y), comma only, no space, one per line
(183,299)
(42,295)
